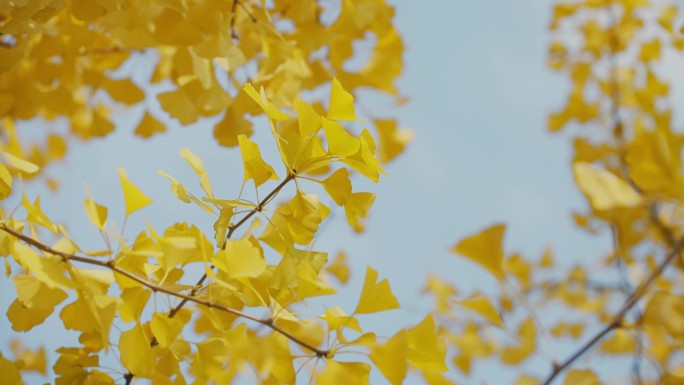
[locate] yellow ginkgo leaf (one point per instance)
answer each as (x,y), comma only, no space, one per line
(308,283)
(484,307)
(375,296)
(341,103)
(134,301)
(255,167)
(36,215)
(24,318)
(427,350)
(33,360)
(176,251)
(179,105)
(34,303)
(96,213)
(340,142)
(357,207)
(348,373)
(48,269)
(485,248)
(581,377)
(9,57)
(10,371)
(197,165)
(337,319)
(604,189)
(364,160)
(124,91)
(366,339)
(339,268)
(621,342)
(338,186)
(271,111)
(178,189)
(5,182)
(390,358)
(165,329)
(309,120)
(136,354)
(240,259)
(392,140)
(149,126)
(21,164)
(516,354)
(35,294)
(527,380)
(133,197)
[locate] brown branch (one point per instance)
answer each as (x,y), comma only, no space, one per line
(619,317)
(156,288)
(233,15)
(231,230)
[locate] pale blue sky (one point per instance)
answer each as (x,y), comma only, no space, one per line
(480,94)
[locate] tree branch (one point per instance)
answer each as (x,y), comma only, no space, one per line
(156,288)
(619,317)
(231,230)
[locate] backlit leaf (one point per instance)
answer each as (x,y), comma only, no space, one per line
(375,296)
(133,197)
(604,189)
(485,249)
(341,103)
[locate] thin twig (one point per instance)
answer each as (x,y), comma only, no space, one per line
(619,317)
(231,230)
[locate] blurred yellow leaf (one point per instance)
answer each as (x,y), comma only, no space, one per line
(484,307)
(604,189)
(21,164)
(357,207)
(5,182)
(485,249)
(581,377)
(149,126)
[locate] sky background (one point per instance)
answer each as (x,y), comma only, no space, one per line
(480,92)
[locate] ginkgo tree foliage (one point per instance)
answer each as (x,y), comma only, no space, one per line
(237,278)
(293,63)
(627,163)
(178,305)
(73,62)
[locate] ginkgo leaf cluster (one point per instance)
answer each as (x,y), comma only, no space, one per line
(258,270)
(71,61)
